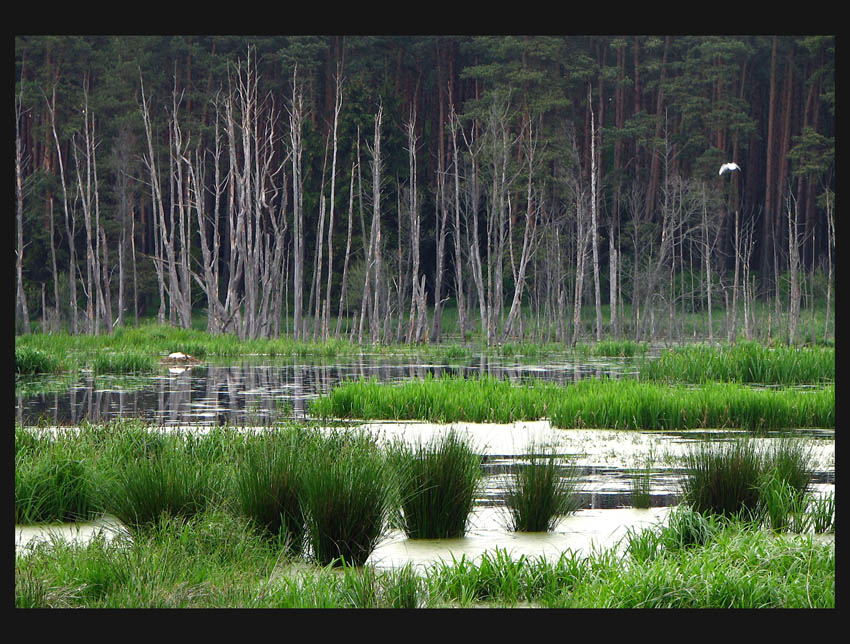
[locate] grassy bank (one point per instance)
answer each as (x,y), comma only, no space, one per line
(592,403)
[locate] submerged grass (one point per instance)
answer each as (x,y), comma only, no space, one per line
(437,485)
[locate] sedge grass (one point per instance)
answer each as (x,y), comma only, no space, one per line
(541,492)
(744,362)
(32,360)
(590,403)
(168,483)
(51,485)
(347,498)
(738,478)
(267,485)
(437,484)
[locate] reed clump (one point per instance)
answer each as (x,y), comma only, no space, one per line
(123,362)
(267,483)
(738,478)
(347,497)
(437,483)
(541,492)
(167,482)
(53,481)
(31,360)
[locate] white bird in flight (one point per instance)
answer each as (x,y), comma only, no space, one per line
(729,166)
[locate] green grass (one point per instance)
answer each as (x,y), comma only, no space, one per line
(267,486)
(53,481)
(31,360)
(437,483)
(169,482)
(541,492)
(215,556)
(737,478)
(744,362)
(346,497)
(591,403)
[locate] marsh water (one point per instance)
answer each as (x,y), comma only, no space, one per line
(257,392)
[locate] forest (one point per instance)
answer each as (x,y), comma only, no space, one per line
(551,188)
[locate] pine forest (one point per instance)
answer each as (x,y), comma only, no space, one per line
(418,188)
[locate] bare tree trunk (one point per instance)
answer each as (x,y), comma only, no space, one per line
(70,226)
(296,118)
(20,295)
(529,239)
(440,216)
(830,236)
(458,258)
(474,193)
(418,312)
(337,109)
(594,218)
(794,267)
(373,264)
(344,285)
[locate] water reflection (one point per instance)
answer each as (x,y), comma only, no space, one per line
(251,392)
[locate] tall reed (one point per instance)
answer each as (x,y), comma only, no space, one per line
(744,362)
(437,482)
(168,483)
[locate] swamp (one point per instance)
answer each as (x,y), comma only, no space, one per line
(424,321)
(152,460)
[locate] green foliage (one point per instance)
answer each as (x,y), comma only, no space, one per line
(438,483)
(347,498)
(541,492)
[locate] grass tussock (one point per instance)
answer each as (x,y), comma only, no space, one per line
(770,485)
(541,492)
(437,484)
(347,498)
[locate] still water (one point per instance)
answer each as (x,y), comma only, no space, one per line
(250,392)
(259,393)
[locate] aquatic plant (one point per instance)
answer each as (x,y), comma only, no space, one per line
(168,483)
(541,492)
(125,362)
(267,485)
(723,478)
(347,498)
(51,485)
(30,360)
(590,403)
(743,362)
(437,484)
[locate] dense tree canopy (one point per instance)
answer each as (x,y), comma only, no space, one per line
(160,172)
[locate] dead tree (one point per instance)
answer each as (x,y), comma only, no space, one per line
(296,120)
(418,313)
(530,236)
(20,295)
